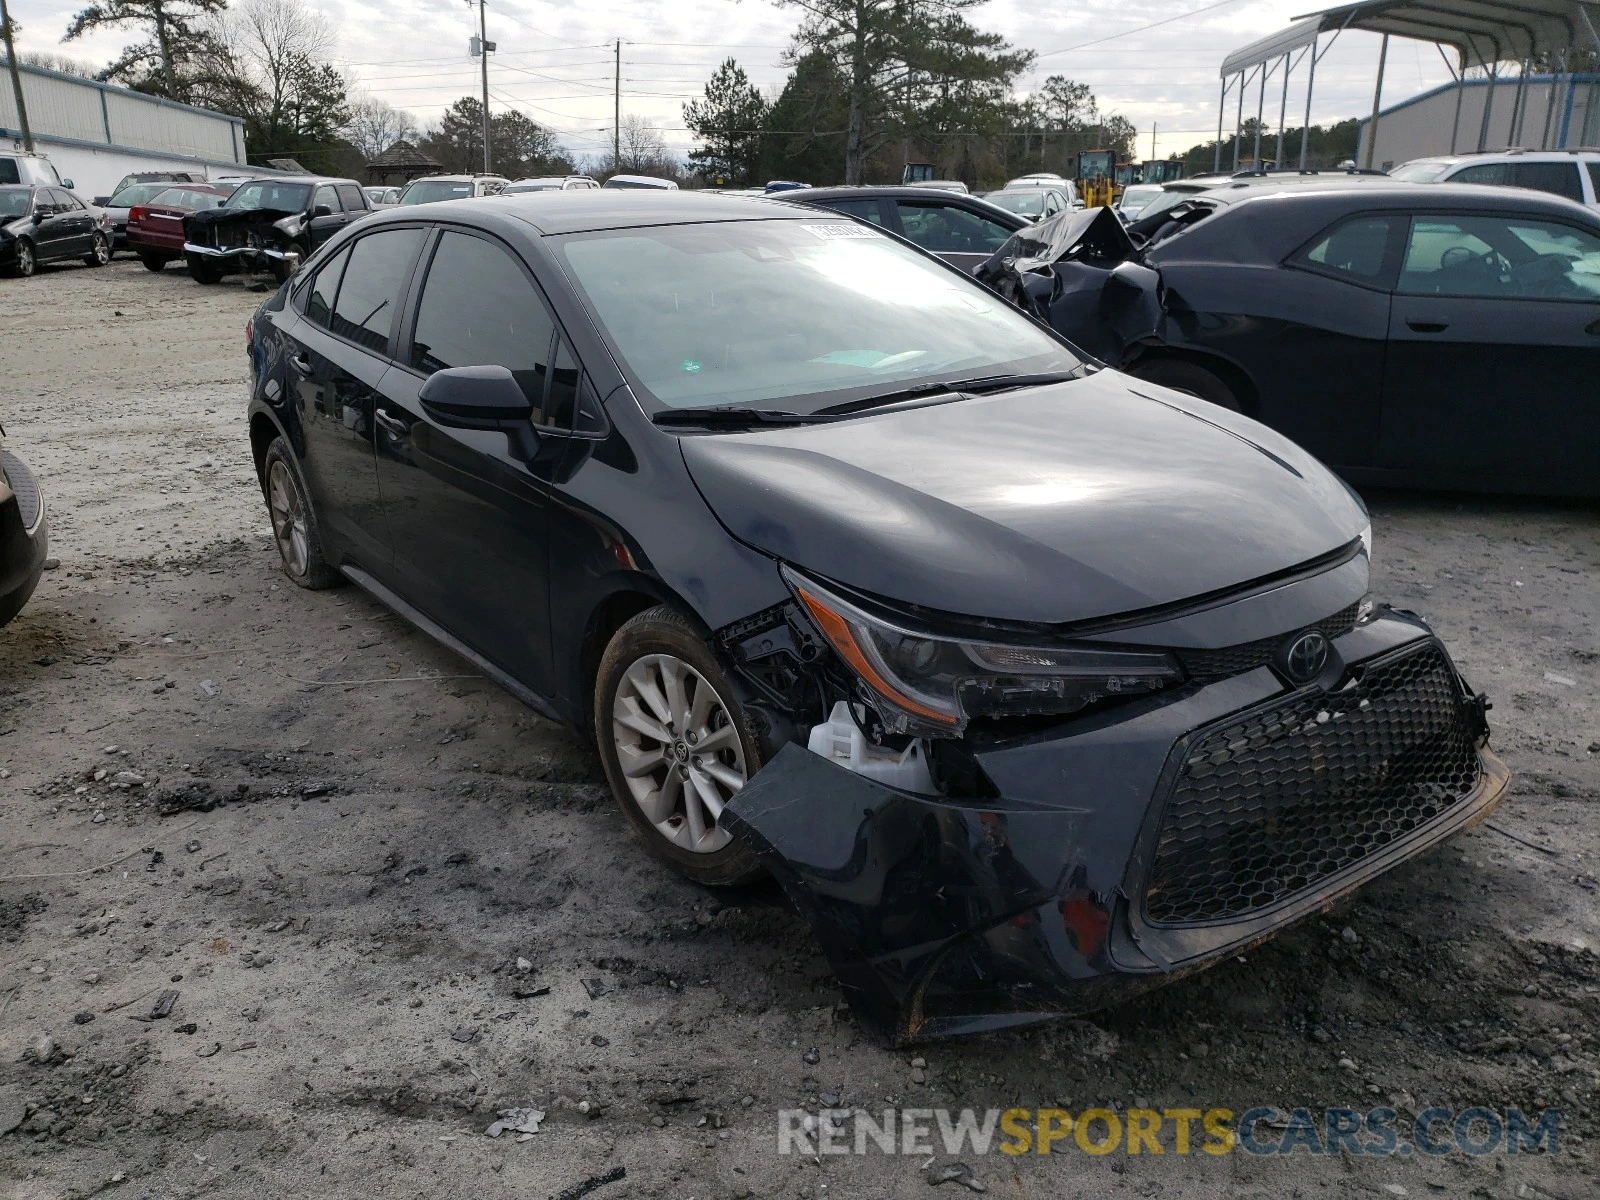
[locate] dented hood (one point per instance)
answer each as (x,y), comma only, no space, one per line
(1057,504)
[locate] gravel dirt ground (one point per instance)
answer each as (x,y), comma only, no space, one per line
(391,901)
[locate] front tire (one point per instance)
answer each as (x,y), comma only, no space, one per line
(100,255)
(202,270)
(676,745)
(1189,378)
(27,259)
(295,527)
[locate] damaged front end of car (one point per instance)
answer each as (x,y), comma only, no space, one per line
(990,829)
(247,239)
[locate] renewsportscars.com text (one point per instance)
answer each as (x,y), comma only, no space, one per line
(1211,1131)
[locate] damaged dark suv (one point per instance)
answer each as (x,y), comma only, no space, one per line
(1030,683)
(270,224)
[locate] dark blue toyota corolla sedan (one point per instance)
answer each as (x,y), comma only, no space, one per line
(1032,684)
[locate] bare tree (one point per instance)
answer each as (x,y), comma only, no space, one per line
(375,125)
(643,150)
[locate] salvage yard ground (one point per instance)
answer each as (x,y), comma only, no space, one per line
(392,901)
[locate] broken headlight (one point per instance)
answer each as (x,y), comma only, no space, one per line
(930,685)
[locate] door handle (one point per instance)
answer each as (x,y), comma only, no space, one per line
(390,425)
(299,363)
(1428,326)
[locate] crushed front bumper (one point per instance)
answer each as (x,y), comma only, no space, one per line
(1126,849)
(249,255)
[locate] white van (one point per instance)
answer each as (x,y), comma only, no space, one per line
(19,166)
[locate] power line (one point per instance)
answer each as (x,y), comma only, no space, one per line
(1111,37)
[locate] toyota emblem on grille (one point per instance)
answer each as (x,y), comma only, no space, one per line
(1305,656)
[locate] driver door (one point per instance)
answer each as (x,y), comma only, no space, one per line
(1494,353)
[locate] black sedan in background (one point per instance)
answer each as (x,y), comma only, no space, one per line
(1419,335)
(963,230)
(1031,684)
(41,225)
(24,533)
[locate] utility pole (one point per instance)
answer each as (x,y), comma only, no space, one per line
(616,116)
(1153,141)
(16,77)
(483,38)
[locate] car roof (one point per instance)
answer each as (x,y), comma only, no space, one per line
(558,212)
(1510,155)
(873,191)
(1382,191)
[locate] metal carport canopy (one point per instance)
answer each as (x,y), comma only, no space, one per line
(1483,32)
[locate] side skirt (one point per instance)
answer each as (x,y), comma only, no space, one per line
(449,640)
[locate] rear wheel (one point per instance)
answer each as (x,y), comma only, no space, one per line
(100,253)
(202,269)
(675,744)
(294,522)
(154,262)
(1190,379)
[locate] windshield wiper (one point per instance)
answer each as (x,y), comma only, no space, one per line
(724,415)
(983,385)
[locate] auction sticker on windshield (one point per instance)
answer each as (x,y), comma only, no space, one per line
(829,232)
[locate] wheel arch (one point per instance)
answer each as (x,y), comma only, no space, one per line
(1236,377)
(628,597)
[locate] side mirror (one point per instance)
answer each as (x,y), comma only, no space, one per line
(322,210)
(68,184)
(487,398)
(38,216)
(475,398)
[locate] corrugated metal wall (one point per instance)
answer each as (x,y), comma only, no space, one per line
(68,107)
(1423,125)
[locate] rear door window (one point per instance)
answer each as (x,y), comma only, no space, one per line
(1557,178)
(369,294)
(870,211)
(351,197)
(1358,250)
(479,308)
(324,289)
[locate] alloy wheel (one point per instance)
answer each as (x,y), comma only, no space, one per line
(25,259)
(102,250)
(679,750)
(288,520)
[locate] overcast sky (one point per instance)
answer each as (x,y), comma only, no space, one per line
(555,58)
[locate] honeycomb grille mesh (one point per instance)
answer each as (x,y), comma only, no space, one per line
(1236,660)
(1279,800)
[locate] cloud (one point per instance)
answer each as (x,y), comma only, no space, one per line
(556,58)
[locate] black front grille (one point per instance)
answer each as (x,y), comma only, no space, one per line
(1278,800)
(1236,660)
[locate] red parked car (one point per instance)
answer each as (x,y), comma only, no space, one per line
(155,229)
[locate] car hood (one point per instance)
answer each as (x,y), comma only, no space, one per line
(1073,502)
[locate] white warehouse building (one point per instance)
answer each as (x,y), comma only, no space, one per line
(95,133)
(1541,112)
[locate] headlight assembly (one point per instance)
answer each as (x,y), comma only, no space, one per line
(930,685)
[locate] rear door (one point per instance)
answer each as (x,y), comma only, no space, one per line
(470,518)
(961,237)
(1494,352)
(340,352)
(80,222)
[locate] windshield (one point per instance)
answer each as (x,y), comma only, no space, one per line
(139,193)
(285,197)
(744,312)
(426,191)
(1023,203)
(1169,198)
(1136,198)
(1423,170)
(14,202)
